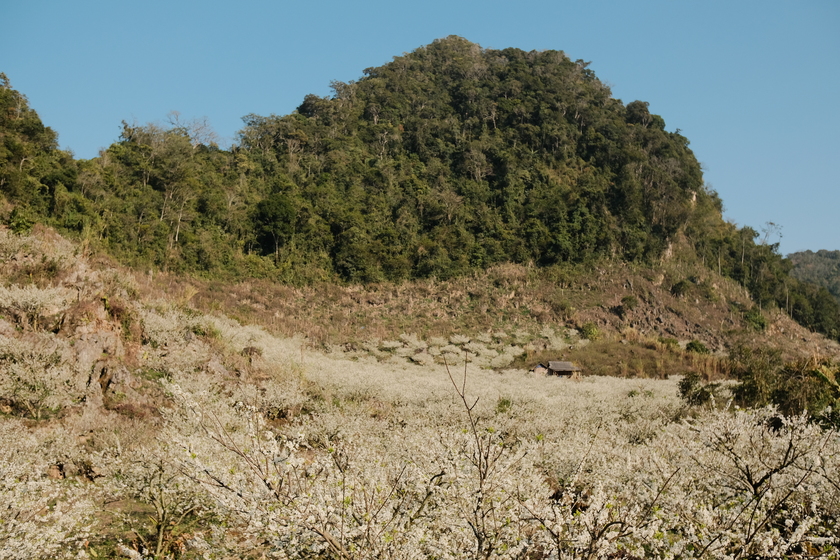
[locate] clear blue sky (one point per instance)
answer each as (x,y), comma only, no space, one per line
(754,85)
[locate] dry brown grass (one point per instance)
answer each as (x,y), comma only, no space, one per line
(639,358)
(504,298)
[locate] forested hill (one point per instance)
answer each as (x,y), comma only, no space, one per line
(447,159)
(453,157)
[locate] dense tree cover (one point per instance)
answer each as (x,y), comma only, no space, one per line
(454,157)
(447,159)
(34,173)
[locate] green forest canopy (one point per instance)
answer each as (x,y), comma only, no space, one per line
(448,159)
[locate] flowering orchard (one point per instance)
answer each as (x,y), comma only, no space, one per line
(432,479)
(148,430)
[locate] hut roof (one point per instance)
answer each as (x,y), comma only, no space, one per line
(562,366)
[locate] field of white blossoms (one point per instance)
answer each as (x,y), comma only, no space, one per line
(138,428)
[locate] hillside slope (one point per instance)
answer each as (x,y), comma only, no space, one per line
(444,162)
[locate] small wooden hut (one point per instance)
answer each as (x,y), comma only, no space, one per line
(564,369)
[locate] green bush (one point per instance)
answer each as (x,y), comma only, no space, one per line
(503,405)
(697,347)
(590,331)
(694,392)
(681,288)
(755,319)
(629,303)
(562,308)
(20,222)
(707,290)
(808,385)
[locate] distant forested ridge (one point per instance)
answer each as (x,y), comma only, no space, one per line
(448,159)
(821,268)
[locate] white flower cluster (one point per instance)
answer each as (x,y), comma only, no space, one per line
(40,517)
(36,375)
(480,484)
(54,250)
(28,304)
